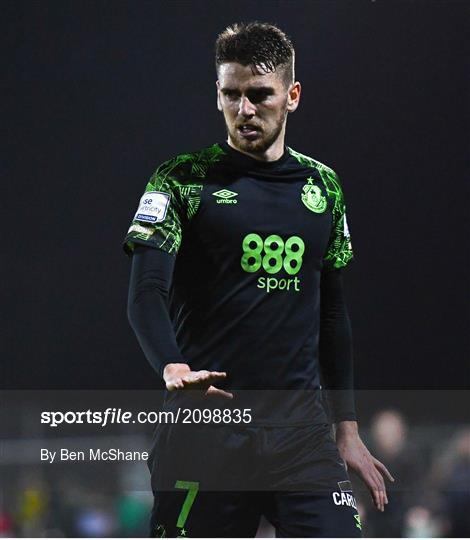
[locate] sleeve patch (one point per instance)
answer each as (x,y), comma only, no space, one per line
(153,207)
(139,229)
(346,228)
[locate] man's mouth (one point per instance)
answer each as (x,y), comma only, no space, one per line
(248,130)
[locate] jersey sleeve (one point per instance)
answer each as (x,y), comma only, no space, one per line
(339,251)
(159,219)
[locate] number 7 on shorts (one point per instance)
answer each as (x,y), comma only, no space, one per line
(193,488)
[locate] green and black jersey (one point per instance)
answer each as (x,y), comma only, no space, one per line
(251,239)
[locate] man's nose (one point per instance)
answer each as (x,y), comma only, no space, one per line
(246,107)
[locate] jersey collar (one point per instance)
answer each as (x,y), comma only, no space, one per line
(251,163)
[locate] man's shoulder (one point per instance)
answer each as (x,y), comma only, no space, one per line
(309,161)
(188,166)
(327,174)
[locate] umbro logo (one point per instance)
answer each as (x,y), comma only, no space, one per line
(225,196)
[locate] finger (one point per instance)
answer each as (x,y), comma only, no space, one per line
(197,377)
(376,498)
(381,467)
(379,487)
(209,379)
(385,495)
(203,377)
(379,498)
(376,483)
(371,483)
(214,376)
(381,483)
(174,384)
(204,374)
(213,391)
(382,490)
(382,501)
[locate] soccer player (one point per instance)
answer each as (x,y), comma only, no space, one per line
(236,294)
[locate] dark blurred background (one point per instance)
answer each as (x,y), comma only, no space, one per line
(96,94)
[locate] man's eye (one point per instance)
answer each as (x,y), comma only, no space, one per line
(231,96)
(258,97)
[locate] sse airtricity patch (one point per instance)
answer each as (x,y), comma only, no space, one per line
(153,207)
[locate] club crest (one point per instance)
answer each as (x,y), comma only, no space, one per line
(312,197)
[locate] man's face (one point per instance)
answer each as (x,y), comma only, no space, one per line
(255,106)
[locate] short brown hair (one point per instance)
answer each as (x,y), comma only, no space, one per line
(262,45)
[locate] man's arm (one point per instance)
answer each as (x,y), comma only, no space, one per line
(147,310)
(336,363)
(336,356)
(147,306)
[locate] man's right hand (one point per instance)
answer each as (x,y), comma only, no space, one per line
(180,377)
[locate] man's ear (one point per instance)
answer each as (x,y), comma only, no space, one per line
(219,105)
(294,97)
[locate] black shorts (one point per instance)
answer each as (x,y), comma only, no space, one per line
(217,481)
